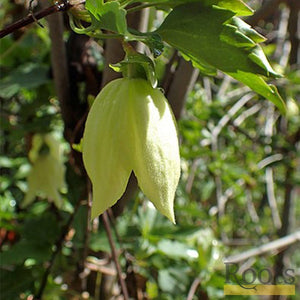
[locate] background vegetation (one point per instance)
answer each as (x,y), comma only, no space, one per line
(240,180)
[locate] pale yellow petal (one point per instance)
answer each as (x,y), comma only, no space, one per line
(106,147)
(45,179)
(156,157)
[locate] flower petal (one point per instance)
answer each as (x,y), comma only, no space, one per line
(105,146)
(46,178)
(156,157)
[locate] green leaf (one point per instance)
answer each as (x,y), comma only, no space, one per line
(173,280)
(98,242)
(212,38)
(232,36)
(166,281)
(27,76)
(177,250)
(257,55)
(13,282)
(23,250)
(38,235)
(237,6)
(41,230)
(137,65)
(109,15)
(155,44)
(257,84)
(151,39)
(247,30)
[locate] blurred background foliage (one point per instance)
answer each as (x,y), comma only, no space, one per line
(239,187)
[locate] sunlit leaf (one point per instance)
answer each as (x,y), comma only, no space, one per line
(212,38)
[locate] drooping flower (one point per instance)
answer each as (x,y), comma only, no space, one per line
(47,175)
(130,127)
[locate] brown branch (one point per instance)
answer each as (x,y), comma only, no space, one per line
(113,53)
(193,289)
(86,238)
(60,69)
(182,82)
(106,224)
(292,29)
(169,72)
(60,6)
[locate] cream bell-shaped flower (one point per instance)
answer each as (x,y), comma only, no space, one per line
(47,175)
(130,127)
(52,143)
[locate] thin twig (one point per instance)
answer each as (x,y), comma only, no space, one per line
(252,211)
(269,171)
(192,174)
(274,245)
(60,6)
(269,160)
(272,198)
(243,132)
(106,224)
(221,199)
(247,113)
(112,221)
(86,238)
(223,87)
(193,289)
(207,88)
(59,62)
(224,197)
(128,257)
(232,111)
(251,208)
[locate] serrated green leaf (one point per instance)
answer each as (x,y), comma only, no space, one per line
(237,6)
(257,84)
(27,76)
(109,15)
(246,29)
(200,64)
(196,31)
(257,55)
(232,36)
(211,38)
